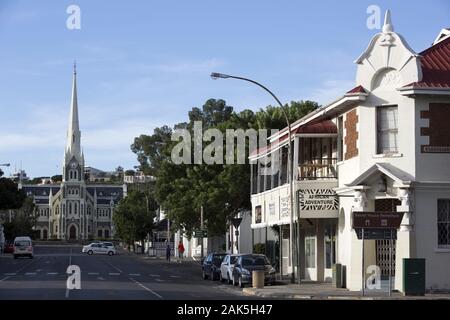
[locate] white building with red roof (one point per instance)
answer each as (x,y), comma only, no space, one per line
(382,148)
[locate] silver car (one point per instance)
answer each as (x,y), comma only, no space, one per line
(226,268)
(99,248)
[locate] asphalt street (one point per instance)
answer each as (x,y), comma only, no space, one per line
(123,276)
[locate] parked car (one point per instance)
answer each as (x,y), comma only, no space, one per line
(98,248)
(246,264)
(23,246)
(211,265)
(109,244)
(226,268)
(9,247)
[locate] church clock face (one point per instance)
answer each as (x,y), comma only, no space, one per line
(73,165)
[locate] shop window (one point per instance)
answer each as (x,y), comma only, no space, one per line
(443,221)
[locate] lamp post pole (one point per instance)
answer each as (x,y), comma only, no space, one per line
(216,75)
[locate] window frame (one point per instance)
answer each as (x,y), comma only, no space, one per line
(447,222)
(377,131)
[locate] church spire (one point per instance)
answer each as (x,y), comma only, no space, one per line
(73,131)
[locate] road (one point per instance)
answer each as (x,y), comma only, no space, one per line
(124,276)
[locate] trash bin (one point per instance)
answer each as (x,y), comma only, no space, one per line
(414,276)
(337,275)
(258,279)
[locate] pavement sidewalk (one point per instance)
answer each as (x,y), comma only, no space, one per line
(324,291)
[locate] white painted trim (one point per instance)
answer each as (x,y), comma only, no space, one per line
(387,155)
(442,250)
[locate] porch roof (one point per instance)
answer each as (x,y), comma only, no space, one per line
(310,129)
(388,169)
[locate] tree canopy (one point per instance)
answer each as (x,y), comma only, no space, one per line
(222,189)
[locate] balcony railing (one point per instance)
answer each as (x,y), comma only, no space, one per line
(314,169)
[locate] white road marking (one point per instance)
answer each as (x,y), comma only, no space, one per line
(38,270)
(10,274)
(175,276)
(100,278)
(148,289)
(155,275)
(114,274)
(30,273)
(93,273)
(113,266)
(159,280)
(5,278)
(52,273)
(134,274)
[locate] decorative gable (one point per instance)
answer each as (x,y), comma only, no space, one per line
(388,62)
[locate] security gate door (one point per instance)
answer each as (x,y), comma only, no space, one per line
(383,246)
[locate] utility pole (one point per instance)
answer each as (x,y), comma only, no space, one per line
(201,228)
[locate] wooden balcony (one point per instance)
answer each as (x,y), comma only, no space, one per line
(315,169)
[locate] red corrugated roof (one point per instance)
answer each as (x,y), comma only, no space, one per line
(358,89)
(435,63)
(322,127)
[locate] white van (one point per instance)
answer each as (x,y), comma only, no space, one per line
(23,246)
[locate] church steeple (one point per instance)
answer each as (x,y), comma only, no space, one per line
(73,146)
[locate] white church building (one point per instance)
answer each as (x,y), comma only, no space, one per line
(75,209)
(384,146)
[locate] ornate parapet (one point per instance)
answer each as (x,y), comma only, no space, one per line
(406,206)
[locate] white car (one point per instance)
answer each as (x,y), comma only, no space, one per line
(23,246)
(226,268)
(99,248)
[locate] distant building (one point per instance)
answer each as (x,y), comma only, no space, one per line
(138,177)
(74,209)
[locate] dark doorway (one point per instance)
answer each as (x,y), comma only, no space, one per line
(72,232)
(45,234)
(383,246)
(106,233)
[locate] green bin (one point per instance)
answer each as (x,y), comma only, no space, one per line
(414,276)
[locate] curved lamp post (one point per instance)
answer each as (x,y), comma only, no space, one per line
(216,76)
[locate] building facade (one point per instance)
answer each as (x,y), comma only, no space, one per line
(383,147)
(75,209)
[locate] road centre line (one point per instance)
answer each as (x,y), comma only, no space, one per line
(144,287)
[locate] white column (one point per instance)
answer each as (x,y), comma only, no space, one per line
(405,247)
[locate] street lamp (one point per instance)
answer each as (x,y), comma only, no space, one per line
(215,76)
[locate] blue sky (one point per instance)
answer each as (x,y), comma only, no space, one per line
(142,64)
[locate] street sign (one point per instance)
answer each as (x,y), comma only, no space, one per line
(377,219)
(198,233)
(376,234)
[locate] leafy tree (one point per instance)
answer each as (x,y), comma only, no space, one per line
(24,220)
(57,178)
(10,196)
(133,217)
(130,173)
(222,189)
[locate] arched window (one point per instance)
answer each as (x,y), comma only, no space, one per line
(75,205)
(70,207)
(75,174)
(71,174)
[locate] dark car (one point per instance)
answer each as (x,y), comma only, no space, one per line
(9,247)
(246,264)
(211,266)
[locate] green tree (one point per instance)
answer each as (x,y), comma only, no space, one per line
(10,196)
(24,220)
(133,217)
(56,178)
(222,189)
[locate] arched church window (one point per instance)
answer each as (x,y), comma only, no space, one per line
(71,174)
(70,207)
(75,205)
